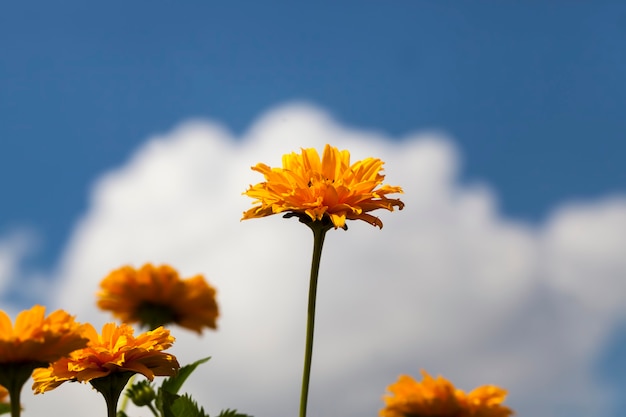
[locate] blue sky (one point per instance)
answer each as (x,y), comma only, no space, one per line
(531,94)
(534,94)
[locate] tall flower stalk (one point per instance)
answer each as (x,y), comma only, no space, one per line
(322,193)
(319,233)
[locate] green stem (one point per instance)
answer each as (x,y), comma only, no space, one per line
(111,406)
(154,411)
(319,232)
(13,376)
(111,386)
(14,396)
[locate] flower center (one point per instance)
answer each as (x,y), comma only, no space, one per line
(155,315)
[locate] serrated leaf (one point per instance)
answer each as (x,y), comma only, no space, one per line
(164,401)
(185,406)
(232,413)
(174,383)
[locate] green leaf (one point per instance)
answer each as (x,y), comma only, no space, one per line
(174,383)
(185,406)
(5,408)
(232,413)
(164,401)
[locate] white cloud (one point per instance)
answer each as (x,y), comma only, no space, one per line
(12,250)
(449,284)
(16,285)
(586,242)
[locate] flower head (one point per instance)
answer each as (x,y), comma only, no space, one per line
(36,338)
(439,398)
(429,398)
(115,351)
(156,296)
(315,189)
(33,343)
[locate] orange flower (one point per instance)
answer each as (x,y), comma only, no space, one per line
(431,397)
(439,398)
(117,350)
(332,189)
(36,338)
(33,343)
(485,402)
(156,296)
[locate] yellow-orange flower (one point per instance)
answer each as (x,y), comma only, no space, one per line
(117,350)
(439,398)
(431,397)
(486,401)
(36,338)
(330,188)
(156,296)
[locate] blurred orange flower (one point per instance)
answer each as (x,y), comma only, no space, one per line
(156,296)
(486,401)
(36,338)
(439,398)
(117,350)
(331,188)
